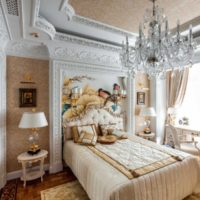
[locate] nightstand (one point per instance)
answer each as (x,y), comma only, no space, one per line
(26,159)
(150,136)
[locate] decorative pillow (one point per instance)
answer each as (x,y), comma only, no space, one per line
(107,139)
(78,130)
(88,138)
(107,129)
(120,134)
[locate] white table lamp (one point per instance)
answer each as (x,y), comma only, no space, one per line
(33,121)
(147,112)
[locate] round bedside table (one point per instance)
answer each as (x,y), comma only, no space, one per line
(146,136)
(25,159)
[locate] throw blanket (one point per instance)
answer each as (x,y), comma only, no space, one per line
(135,158)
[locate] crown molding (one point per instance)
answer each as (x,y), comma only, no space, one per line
(42,24)
(101,26)
(4,34)
(85,56)
(27,49)
(85,42)
(67,9)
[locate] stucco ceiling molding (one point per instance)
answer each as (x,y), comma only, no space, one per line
(86,56)
(27,49)
(67,9)
(42,24)
(35,11)
(101,26)
(4,37)
(85,42)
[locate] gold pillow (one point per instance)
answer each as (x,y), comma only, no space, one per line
(88,138)
(77,131)
(107,129)
(107,139)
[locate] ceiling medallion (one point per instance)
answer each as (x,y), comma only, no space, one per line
(157,51)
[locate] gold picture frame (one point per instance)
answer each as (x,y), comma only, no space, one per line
(140,98)
(27,97)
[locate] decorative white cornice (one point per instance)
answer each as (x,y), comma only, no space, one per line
(85,42)
(86,56)
(4,37)
(35,11)
(101,26)
(42,24)
(67,9)
(27,49)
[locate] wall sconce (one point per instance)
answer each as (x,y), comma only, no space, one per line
(75,95)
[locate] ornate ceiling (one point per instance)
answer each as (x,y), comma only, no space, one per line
(127,14)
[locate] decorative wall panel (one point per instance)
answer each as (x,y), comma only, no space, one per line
(21,69)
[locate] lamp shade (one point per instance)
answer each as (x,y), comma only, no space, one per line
(33,120)
(147,112)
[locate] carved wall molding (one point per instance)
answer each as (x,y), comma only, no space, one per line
(42,24)
(35,10)
(4,37)
(59,69)
(101,26)
(2,118)
(85,42)
(67,9)
(27,49)
(86,56)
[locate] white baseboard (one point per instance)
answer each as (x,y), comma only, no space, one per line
(18,173)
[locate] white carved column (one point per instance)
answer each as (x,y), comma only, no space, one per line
(131,105)
(158,101)
(2,119)
(55,119)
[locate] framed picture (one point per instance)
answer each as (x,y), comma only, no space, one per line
(27,97)
(140,98)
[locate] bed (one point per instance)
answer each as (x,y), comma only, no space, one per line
(103,181)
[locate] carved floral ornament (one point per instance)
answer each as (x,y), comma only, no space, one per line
(87,56)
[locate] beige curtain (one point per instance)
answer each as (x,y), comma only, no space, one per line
(176,87)
(176,84)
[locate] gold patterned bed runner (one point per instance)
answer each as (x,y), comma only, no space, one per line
(134,158)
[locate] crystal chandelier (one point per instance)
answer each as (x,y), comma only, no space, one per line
(157,51)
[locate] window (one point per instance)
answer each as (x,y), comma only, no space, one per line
(190,107)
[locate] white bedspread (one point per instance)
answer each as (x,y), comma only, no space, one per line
(104,182)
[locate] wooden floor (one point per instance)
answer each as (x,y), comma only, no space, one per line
(33,188)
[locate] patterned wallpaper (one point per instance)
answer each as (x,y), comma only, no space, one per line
(21,69)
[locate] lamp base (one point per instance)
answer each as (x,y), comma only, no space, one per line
(34,149)
(147,130)
(32,152)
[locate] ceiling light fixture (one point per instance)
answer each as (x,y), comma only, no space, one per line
(156,51)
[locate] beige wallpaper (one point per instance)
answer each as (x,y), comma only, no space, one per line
(127,14)
(19,69)
(142,85)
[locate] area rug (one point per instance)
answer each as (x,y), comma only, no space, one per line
(9,191)
(68,191)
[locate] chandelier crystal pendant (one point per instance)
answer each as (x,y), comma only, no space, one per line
(156,50)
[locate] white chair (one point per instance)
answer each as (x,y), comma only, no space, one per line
(189,146)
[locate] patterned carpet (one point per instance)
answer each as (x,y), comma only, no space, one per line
(74,191)
(68,191)
(9,191)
